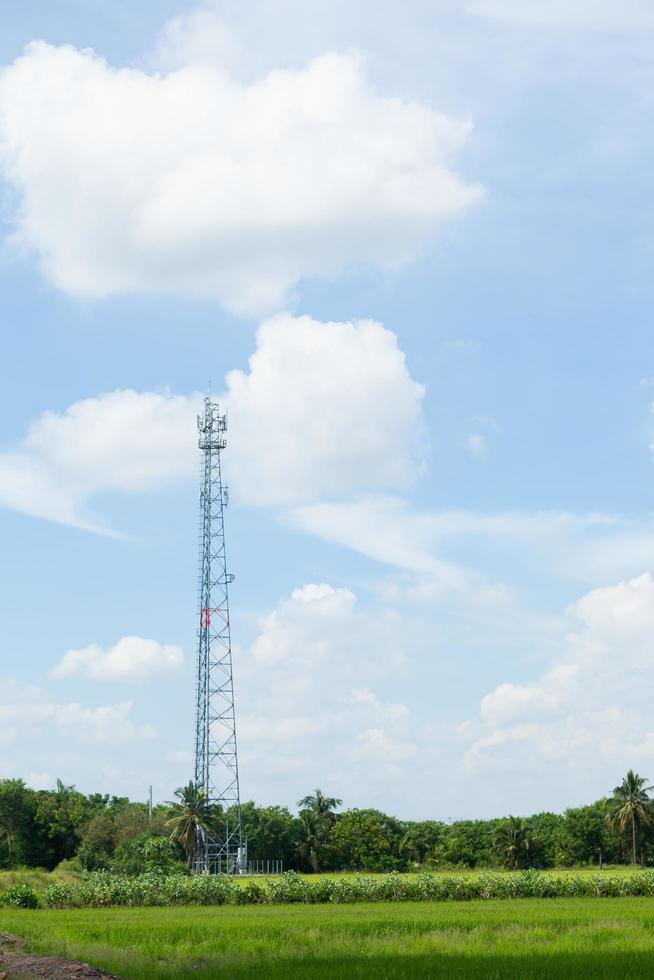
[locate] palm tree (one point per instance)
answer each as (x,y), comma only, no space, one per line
(317,817)
(515,844)
(631,807)
(313,838)
(192,815)
(322,806)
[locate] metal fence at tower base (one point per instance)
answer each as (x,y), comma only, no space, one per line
(213,858)
(218,859)
(264,867)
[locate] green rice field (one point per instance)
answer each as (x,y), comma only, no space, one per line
(523,938)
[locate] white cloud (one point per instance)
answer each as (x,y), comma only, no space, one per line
(131,658)
(619,610)
(198,38)
(326,408)
(98,747)
(600,16)
(510,701)
(593,704)
(375,744)
(363,695)
(431,546)
(407,541)
(194,182)
(121,441)
(27,708)
(311,682)
(434,546)
(280,631)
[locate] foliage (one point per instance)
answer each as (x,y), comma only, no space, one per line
(312,840)
(20,897)
(16,807)
(464,843)
(420,840)
(586,837)
(271,832)
(632,808)
(322,806)
(146,853)
(103,889)
(516,845)
(367,840)
(192,814)
(317,818)
(98,832)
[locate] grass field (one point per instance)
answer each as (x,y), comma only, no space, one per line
(36,878)
(590,938)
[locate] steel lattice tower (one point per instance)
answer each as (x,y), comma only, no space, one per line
(216,764)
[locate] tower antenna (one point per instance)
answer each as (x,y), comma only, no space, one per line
(216,763)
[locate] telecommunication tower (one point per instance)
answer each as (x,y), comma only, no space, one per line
(216,763)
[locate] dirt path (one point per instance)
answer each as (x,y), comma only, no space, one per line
(15,964)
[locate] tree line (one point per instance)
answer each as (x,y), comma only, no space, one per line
(64,827)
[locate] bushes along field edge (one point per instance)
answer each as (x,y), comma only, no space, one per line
(101,889)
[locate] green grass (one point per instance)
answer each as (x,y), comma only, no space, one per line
(37,878)
(527,939)
(623,870)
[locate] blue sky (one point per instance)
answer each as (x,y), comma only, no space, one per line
(441,526)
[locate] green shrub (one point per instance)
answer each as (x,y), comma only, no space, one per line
(59,896)
(20,897)
(100,889)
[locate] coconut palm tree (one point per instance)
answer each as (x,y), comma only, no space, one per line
(191,816)
(317,817)
(514,843)
(631,807)
(312,840)
(320,805)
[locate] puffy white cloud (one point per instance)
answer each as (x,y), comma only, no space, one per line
(308,694)
(107,746)
(511,701)
(326,408)
(283,634)
(619,610)
(593,704)
(131,658)
(120,441)
(27,708)
(194,182)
